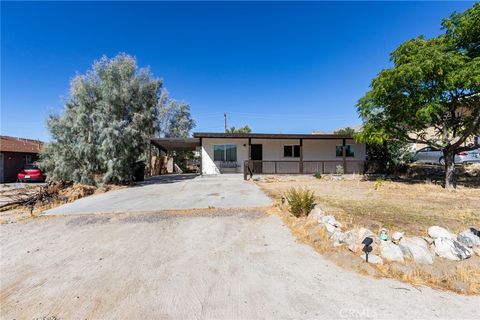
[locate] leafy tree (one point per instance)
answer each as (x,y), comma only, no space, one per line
(175,120)
(345,131)
(244,129)
(431,94)
(102,132)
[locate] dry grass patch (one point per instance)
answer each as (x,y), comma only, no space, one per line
(394,205)
(397,206)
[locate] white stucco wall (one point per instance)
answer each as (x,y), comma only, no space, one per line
(211,167)
(273,150)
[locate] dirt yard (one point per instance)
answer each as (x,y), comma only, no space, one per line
(397,206)
(216,264)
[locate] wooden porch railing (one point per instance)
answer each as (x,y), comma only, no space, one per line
(252,167)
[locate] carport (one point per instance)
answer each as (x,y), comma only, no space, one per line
(173,144)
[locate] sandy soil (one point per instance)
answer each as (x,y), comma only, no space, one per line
(217,265)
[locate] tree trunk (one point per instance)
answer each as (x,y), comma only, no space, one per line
(450,178)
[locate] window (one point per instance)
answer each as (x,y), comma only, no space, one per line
(224,152)
(291,151)
(349,151)
(27,159)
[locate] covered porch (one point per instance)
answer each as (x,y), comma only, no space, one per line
(254,154)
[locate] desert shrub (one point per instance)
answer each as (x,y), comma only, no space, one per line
(317,175)
(300,201)
(380,181)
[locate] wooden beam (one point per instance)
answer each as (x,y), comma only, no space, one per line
(249,148)
(301,155)
(149,156)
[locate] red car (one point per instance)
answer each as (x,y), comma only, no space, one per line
(31,172)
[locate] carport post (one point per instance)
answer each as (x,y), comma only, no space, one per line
(149,163)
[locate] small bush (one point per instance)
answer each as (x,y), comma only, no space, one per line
(317,175)
(300,201)
(380,182)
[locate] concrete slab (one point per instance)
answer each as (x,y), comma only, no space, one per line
(172,192)
(231,265)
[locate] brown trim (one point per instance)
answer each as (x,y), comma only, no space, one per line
(301,155)
(274,167)
(268,136)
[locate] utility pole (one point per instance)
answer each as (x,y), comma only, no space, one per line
(225,120)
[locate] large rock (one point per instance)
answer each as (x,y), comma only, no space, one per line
(337,237)
(416,249)
(330,224)
(315,214)
(439,232)
(391,252)
(421,241)
(354,238)
(451,249)
(469,238)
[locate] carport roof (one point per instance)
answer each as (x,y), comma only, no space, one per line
(176,144)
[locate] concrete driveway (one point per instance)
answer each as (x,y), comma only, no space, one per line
(228,264)
(186,191)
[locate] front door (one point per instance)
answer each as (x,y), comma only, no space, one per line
(256,154)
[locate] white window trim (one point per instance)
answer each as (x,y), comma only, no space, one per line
(293,153)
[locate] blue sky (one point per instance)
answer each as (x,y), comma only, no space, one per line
(278,67)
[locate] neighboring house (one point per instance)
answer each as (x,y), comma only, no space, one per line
(14,154)
(262,153)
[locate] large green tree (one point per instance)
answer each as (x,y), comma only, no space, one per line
(110,114)
(431,93)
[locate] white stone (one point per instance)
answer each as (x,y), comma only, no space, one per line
(315,215)
(330,224)
(337,237)
(419,241)
(439,232)
(391,252)
(451,249)
(417,249)
(354,238)
(467,233)
(328,219)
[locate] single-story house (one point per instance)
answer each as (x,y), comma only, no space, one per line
(14,154)
(264,153)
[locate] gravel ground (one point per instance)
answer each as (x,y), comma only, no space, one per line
(214,265)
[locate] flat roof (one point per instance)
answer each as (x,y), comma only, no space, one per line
(178,144)
(269,135)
